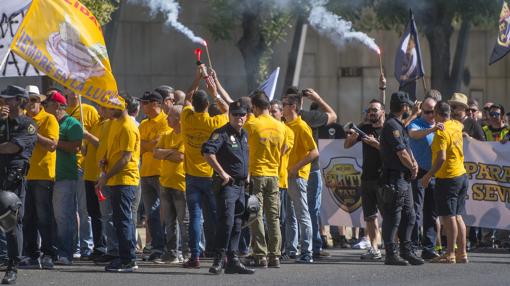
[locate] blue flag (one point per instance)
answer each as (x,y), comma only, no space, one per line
(269,86)
(503,43)
(408,61)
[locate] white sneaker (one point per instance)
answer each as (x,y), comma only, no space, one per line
(362,244)
(371,254)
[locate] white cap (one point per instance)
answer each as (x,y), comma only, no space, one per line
(32,89)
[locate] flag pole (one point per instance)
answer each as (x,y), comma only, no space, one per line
(81,111)
(424,86)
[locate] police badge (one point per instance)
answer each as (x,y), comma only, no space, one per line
(343,180)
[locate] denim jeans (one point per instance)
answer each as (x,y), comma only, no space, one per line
(199,189)
(291,226)
(425,210)
(64,208)
(122,203)
(95,216)
(150,193)
(85,241)
(38,218)
(175,213)
(297,193)
(314,193)
(112,243)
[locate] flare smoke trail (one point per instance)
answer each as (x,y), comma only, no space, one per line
(171,10)
(338,30)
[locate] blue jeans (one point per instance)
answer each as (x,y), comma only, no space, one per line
(291,226)
(426,215)
(64,209)
(38,218)
(85,241)
(112,243)
(314,193)
(198,189)
(150,194)
(122,201)
(297,193)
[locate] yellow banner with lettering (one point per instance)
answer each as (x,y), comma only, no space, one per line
(62,39)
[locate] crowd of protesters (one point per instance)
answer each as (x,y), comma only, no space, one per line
(94,170)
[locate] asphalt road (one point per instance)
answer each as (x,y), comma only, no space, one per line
(343,268)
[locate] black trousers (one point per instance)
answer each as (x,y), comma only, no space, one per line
(230,206)
(14,237)
(426,214)
(398,209)
(39,218)
(95,216)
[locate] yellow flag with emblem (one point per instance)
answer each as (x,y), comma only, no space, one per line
(64,40)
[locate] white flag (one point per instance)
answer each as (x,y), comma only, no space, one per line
(269,86)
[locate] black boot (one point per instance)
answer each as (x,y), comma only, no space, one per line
(11,274)
(218,264)
(392,257)
(234,266)
(407,253)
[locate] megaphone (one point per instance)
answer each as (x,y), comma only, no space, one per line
(350,125)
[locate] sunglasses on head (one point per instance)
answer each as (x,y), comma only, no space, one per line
(428,112)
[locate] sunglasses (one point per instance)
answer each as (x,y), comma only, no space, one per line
(494,114)
(428,112)
(34,100)
(238,114)
(286,104)
(148,102)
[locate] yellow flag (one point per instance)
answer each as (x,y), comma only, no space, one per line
(62,39)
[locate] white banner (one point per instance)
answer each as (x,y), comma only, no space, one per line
(11,65)
(487,165)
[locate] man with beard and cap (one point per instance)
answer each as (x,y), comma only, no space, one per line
(399,168)
(371,172)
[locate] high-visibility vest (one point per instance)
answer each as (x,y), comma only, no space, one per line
(489,135)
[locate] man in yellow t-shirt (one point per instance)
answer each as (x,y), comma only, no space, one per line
(38,216)
(451,183)
(197,126)
(266,141)
(88,116)
(151,130)
(170,150)
(288,221)
(122,177)
(302,154)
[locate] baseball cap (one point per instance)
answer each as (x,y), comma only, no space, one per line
(237,107)
(33,92)
(401,97)
(14,91)
(57,97)
(151,96)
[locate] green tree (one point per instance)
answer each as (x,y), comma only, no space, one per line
(102,9)
(262,25)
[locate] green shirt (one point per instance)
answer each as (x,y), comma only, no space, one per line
(67,165)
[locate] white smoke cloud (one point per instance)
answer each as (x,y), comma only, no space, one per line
(170,8)
(338,30)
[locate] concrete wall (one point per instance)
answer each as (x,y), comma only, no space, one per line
(145,53)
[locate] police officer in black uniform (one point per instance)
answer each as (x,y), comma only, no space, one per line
(399,168)
(227,153)
(18,135)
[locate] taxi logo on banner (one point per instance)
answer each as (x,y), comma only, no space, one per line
(343,180)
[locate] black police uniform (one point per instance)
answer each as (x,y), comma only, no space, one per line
(21,131)
(397,200)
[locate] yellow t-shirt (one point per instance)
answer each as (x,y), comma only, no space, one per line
(90,163)
(303,144)
(451,141)
(150,130)
(43,162)
(103,140)
(90,118)
(283,173)
(196,129)
(123,137)
(172,173)
(266,137)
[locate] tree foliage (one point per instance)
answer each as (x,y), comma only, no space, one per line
(102,9)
